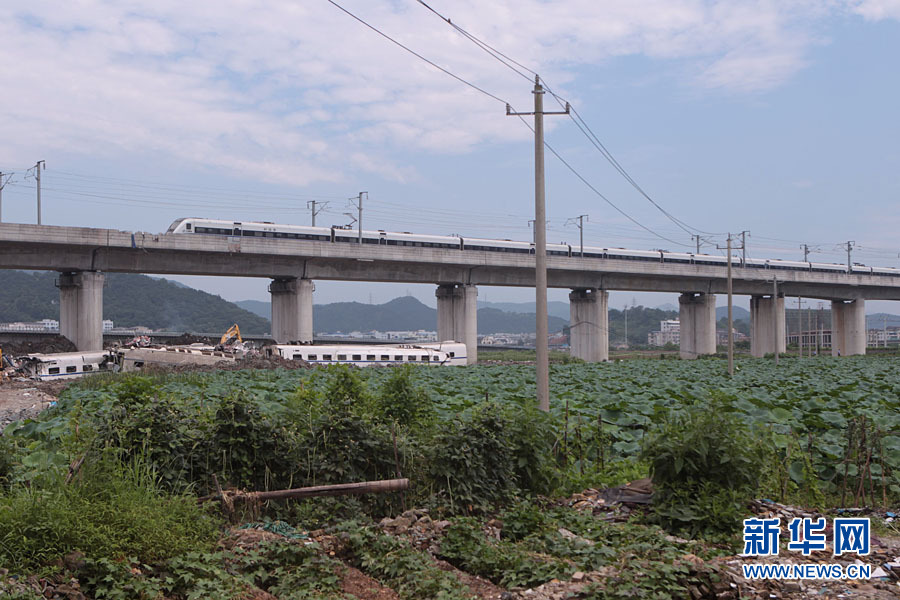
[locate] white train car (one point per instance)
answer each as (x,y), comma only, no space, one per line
(262,229)
(421,241)
(364,355)
(65,365)
(496,245)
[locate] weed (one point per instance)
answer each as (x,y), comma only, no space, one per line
(705,468)
(111,511)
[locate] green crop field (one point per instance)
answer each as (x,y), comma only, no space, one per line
(113,471)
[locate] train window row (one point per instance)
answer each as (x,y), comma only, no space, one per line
(369,358)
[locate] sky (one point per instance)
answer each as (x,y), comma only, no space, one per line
(775,117)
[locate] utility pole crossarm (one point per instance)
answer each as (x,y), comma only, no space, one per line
(311,204)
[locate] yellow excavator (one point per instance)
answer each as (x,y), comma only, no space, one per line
(230,337)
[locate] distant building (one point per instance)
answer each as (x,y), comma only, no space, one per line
(878,336)
(669,333)
(41,326)
(107,325)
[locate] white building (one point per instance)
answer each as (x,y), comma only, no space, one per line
(669,333)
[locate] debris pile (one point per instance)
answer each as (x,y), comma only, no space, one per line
(417,525)
(613,504)
(49,345)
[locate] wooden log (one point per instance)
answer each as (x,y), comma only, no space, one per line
(340,489)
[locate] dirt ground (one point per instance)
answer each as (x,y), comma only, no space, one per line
(25,399)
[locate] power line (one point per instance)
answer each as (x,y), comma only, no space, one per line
(490,95)
(576,118)
(493,52)
(600,194)
(416,54)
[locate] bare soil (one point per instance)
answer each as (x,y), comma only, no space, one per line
(359,585)
(26,399)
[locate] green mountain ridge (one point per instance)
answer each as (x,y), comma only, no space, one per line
(128,300)
(404,314)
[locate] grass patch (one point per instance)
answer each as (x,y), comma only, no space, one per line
(111,511)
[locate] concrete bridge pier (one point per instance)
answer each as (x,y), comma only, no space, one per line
(292,310)
(697,315)
(81,309)
(457,316)
(767,325)
(848,327)
(589,324)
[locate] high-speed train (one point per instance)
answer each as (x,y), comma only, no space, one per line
(263,229)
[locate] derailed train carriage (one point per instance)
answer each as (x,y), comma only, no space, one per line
(365,355)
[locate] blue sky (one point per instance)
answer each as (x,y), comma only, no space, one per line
(779,118)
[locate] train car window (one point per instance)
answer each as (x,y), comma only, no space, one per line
(411,358)
(53,370)
(357,357)
(237,231)
(88,368)
(187,226)
(385,357)
(425,359)
(398,357)
(298,357)
(370,357)
(342,357)
(71,369)
(312,356)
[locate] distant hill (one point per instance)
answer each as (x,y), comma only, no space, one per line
(257,307)
(404,314)
(554,308)
(737,313)
(128,300)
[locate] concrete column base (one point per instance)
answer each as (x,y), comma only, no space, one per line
(81,309)
(767,326)
(457,318)
(292,310)
(848,327)
(589,324)
(697,318)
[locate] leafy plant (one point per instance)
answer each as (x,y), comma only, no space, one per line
(411,573)
(113,511)
(705,468)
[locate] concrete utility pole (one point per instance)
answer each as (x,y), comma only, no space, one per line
(809,328)
(696,237)
(37,175)
(884,329)
(311,204)
(800,325)
(580,224)
(359,207)
(805,249)
(2,183)
(849,264)
(730,315)
(775,315)
(731,305)
(540,243)
(744,248)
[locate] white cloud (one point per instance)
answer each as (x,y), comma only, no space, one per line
(876,10)
(300,92)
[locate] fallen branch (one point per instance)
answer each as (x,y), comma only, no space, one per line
(340,489)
